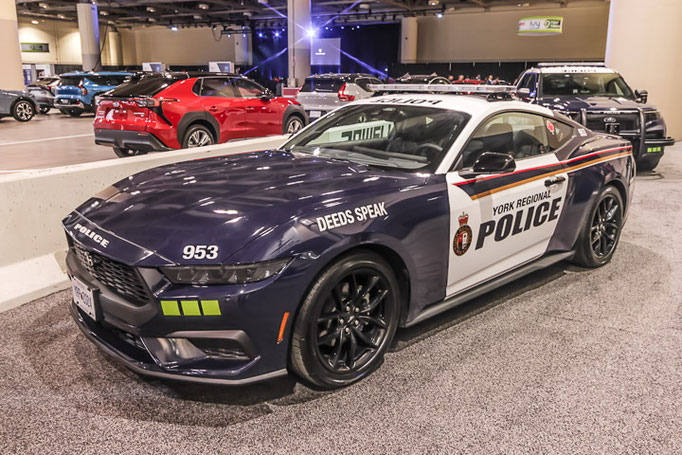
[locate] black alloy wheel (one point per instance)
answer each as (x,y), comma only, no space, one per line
(599,239)
(347,321)
(44,109)
(23,111)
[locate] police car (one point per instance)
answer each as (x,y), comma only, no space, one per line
(306,259)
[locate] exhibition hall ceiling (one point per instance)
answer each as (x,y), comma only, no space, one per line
(263,13)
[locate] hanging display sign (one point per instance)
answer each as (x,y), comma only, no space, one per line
(541,25)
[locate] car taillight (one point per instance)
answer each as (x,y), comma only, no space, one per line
(343,96)
(153,102)
(84,91)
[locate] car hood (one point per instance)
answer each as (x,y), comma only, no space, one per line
(230,201)
(597,103)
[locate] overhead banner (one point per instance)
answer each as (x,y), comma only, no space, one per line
(541,25)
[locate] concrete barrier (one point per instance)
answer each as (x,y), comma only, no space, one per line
(32,205)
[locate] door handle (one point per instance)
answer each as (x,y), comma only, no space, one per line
(555,180)
(213,108)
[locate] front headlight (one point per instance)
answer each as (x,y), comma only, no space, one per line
(650,116)
(224,274)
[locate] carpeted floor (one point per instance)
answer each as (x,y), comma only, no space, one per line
(563,361)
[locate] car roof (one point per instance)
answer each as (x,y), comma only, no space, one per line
(96,73)
(471,104)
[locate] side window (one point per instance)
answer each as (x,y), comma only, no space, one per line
(248,89)
(558,133)
(217,86)
(523,81)
(519,134)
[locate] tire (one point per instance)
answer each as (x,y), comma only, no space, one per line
(331,329)
(74,112)
(197,136)
(600,235)
(44,109)
(293,125)
(124,153)
(23,111)
(63,111)
(648,165)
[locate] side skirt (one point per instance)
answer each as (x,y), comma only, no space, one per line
(501,280)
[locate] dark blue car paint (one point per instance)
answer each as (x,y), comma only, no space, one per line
(261,206)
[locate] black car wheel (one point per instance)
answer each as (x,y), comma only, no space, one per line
(599,238)
(23,111)
(197,136)
(44,109)
(123,152)
(293,125)
(74,112)
(346,322)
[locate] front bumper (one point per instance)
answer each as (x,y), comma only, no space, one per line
(240,338)
(133,140)
(146,363)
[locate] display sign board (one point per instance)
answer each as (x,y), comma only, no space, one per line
(325,51)
(541,25)
(35,47)
(221,67)
(153,66)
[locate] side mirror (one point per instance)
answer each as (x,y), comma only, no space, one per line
(642,96)
(267,95)
(490,163)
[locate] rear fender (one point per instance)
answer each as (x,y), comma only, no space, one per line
(192,117)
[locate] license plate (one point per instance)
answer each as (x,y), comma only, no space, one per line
(84,297)
(315,114)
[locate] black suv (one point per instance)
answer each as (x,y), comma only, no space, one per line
(599,98)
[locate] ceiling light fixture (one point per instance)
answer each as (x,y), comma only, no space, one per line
(103,13)
(151,9)
(43,5)
(202,6)
(34,22)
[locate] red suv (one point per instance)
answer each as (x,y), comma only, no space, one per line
(155,112)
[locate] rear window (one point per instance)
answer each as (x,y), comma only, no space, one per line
(71,80)
(148,86)
(322,85)
(107,80)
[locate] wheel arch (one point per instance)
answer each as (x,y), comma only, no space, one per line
(293,110)
(390,255)
(202,118)
(620,186)
(23,98)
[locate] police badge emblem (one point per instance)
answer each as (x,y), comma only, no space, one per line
(463,236)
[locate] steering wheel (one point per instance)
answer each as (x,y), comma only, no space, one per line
(429,150)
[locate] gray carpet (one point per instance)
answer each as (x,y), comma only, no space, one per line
(563,361)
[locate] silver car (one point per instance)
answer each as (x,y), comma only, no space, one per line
(17,104)
(322,93)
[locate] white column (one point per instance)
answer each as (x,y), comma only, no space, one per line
(11,76)
(115,49)
(408,40)
(88,26)
(242,56)
(298,25)
(644,43)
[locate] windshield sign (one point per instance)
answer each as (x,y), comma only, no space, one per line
(413,138)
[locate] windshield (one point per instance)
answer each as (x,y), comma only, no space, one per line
(316,84)
(413,138)
(585,84)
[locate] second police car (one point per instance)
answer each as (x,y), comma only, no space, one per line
(306,259)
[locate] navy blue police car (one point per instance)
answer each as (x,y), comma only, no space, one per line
(306,259)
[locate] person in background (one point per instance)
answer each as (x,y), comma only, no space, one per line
(451,78)
(460,79)
(490,80)
(478,77)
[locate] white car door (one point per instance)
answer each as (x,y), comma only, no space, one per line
(500,221)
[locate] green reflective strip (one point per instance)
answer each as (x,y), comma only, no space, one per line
(170,308)
(210,307)
(654,149)
(190,307)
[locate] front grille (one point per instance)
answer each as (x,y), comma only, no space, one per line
(119,278)
(626,121)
